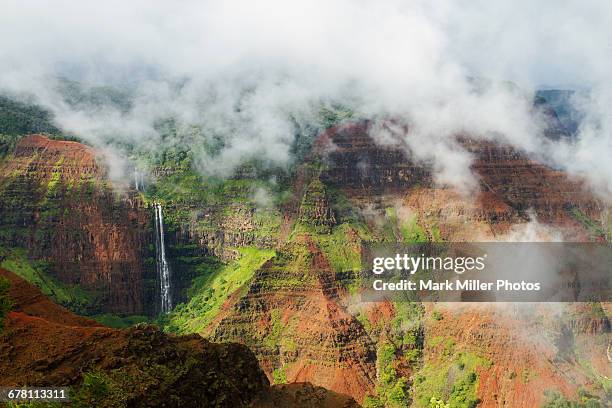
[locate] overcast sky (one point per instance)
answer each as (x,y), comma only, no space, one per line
(546,42)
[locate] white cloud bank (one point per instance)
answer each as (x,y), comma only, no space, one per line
(254,72)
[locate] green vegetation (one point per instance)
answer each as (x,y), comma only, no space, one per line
(412,232)
(406,329)
(19,118)
(35,404)
(267,222)
(372,402)
(153,367)
(7,144)
(400,346)
(342,248)
(187,186)
(555,399)
(365,322)
(5,301)
(334,114)
(72,297)
(120,322)
(314,208)
(437,403)
(98,388)
(595,229)
(82,97)
(450,379)
(344,210)
(184,189)
(279,376)
(392,389)
(338,233)
(406,231)
(276,327)
(600,382)
(209,291)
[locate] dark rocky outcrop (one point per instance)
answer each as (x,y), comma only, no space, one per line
(136,367)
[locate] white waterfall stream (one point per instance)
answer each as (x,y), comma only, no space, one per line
(138,180)
(163,268)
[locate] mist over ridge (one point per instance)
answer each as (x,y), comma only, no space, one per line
(238,81)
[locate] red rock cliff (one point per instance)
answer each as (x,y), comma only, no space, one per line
(57,203)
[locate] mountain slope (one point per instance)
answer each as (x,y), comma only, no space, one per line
(56,203)
(44,344)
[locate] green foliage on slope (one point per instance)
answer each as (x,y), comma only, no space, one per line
(342,247)
(185,189)
(209,291)
(594,228)
(187,186)
(119,322)
(72,297)
(19,118)
(555,399)
(450,378)
(7,144)
(400,343)
(335,114)
(405,230)
(392,389)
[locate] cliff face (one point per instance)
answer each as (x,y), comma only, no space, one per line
(55,202)
(43,344)
(286,284)
(514,355)
(219,228)
(530,348)
(512,186)
(362,168)
(292,318)
(297,312)
(524,183)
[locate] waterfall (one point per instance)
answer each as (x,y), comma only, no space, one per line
(139,180)
(136,179)
(163,268)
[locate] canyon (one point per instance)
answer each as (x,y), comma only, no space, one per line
(284,279)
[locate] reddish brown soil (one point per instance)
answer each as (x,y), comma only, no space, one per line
(526,360)
(29,301)
(320,341)
(43,344)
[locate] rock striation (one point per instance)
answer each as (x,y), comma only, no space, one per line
(512,186)
(57,203)
(136,367)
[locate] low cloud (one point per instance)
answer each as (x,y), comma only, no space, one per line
(241,79)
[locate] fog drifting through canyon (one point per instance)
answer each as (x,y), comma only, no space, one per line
(255,75)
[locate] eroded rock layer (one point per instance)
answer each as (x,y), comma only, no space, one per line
(57,204)
(292,318)
(43,344)
(512,186)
